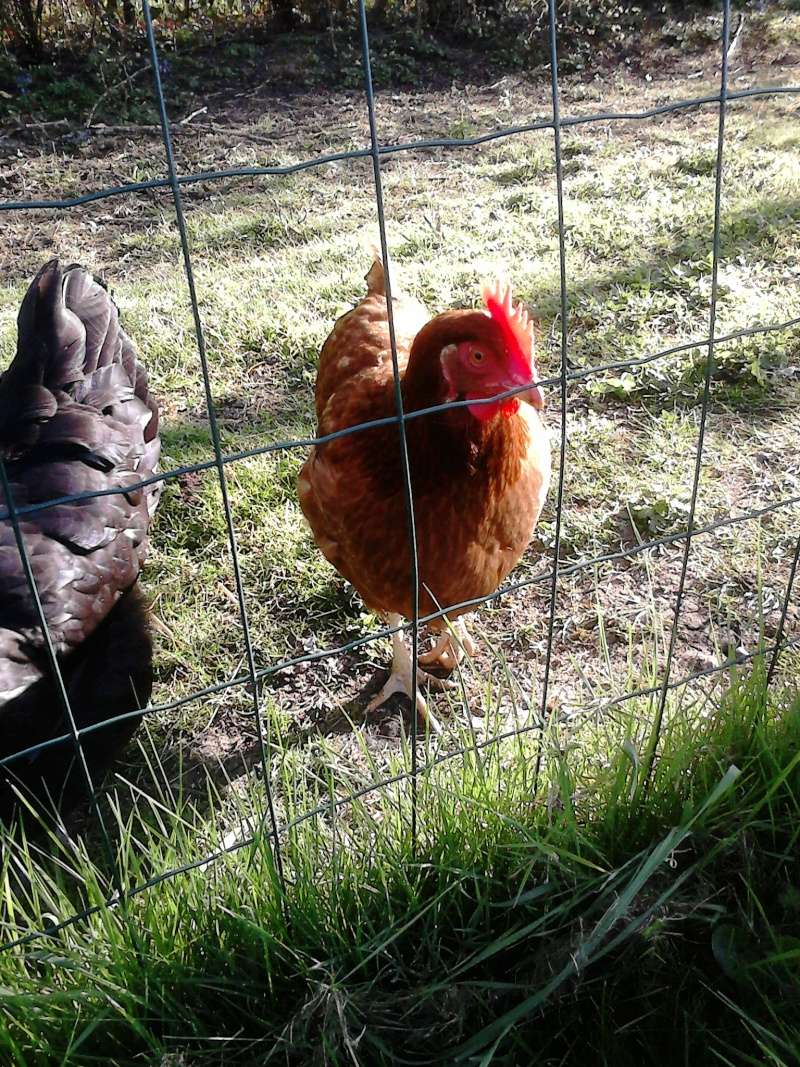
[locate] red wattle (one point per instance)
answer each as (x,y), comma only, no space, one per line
(484,412)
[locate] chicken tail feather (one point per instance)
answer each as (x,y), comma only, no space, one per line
(70,339)
(376,275)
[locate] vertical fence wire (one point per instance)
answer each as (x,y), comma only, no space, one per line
(408,496)
(215,438)
(773,663)
(709,367)
(562,266)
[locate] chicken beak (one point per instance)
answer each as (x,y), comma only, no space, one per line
(524,373)
(533,397)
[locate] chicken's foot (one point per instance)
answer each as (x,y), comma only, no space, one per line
(400,680)
(453,644)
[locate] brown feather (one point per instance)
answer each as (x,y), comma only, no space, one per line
(478,487)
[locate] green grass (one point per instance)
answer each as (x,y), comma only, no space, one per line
(680,906)
(592,920)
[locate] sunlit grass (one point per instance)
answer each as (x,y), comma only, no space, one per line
(477,936)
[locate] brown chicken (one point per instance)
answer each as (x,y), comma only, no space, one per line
(479,473)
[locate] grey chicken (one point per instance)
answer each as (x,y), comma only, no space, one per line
(76,416)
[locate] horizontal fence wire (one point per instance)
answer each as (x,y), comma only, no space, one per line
(376,152)
(373,424)
(320,655)
(388,150)
(384,783)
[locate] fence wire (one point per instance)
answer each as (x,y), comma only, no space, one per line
(408,495)
(564,298)
(254,675)
(709,366)
(214,431)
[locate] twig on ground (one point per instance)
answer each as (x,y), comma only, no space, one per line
(736,37)
(111,89)
(193,115)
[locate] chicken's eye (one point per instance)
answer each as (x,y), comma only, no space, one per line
(477,357)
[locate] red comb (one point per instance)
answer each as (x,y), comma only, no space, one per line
(514,323)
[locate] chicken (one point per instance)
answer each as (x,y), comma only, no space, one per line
(76,416)
(479,473)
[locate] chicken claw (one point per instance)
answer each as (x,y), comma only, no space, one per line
(451,648)
(400,680)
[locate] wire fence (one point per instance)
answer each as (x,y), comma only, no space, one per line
(549,576)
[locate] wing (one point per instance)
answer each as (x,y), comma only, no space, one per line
(355,385)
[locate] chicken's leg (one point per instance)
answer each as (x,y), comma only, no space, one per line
(451,647)
(400,679)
